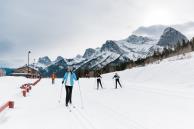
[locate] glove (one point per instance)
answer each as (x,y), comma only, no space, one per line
(62,82)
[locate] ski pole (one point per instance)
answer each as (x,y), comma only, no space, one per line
(122,84)
(81,98)
(94,85)
(61,93)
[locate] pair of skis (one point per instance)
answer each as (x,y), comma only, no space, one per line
(69,108)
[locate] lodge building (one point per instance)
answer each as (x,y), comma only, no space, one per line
(26,71)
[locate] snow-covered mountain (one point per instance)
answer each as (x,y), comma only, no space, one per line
(171,37)
(89,52)
(114,52)
(43,62)
(59,58)
(112,46)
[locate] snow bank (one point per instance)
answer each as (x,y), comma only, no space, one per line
(10,87)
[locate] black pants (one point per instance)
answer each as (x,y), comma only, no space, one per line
(53,81)
(68,94)
(99,82)
(117,81)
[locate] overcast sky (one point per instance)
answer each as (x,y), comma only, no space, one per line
(68,27)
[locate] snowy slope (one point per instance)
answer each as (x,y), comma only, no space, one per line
(157,96)
(10,87)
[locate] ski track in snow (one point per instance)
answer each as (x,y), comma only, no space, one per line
(85,119)
(125,122)
(165,92)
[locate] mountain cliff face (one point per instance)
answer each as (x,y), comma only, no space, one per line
(44,61)
(114,52)
(59,58)
(138,39)
(171,37)
(89,52)
(111,46)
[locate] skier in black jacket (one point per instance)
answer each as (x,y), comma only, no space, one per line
(99,81)
(116,77)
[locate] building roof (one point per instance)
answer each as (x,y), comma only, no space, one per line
(21,74)
(24,69)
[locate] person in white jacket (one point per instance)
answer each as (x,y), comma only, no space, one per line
(68,80)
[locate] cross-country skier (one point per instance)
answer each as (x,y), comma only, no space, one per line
(53,76)
(116,77)
(99,81)
(68,80)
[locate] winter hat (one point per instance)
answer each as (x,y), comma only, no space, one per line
(70,68)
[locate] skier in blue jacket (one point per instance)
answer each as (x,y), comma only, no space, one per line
(68,80)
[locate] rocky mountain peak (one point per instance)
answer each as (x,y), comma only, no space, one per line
(111,46)
(89,52)
(138,39)
(59,58)
(171,37)
(44,60)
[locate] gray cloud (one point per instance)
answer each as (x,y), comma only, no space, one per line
(11,63)
(5,47)
(156,30)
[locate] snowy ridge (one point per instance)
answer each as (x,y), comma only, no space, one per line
(135,49)
(89,52)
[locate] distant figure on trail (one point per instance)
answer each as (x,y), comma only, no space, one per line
(87,75)
(116,77)
(68,80)
(53,76)
(99,81)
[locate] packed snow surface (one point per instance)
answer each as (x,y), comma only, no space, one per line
(157,96)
